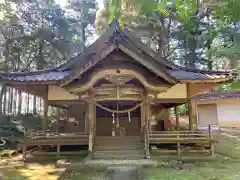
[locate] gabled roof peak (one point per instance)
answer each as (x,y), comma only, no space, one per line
(115,24)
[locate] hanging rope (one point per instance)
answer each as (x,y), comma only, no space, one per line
(115,111)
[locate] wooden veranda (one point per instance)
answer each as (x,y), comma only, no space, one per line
(112,93)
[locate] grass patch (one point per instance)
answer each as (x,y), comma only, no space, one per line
(221,169)
(31,172)
(83,173)
(224,167)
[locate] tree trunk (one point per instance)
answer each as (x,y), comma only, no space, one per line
(5,101)
(2,92)
(10,100)
(34,104)
(15,94)
(19,111)
(27,100)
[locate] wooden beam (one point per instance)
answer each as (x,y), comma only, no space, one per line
(190,110)
(66,102)
(173,101)
(216,80)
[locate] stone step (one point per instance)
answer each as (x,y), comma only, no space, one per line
(101,155)
(118,147)
(118,138)
(119,143)
(135,157)
(121,153)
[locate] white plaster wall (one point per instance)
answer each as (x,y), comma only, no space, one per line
(229,114)
(177,91)
(207,114)
(58,93)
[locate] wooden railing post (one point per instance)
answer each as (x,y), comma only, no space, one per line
(178,144)
(211,147)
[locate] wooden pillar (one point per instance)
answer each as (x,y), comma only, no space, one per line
(178,145)
(91,120)
(190,109)
(45,116)
(177,117)
(58,132)
(45,110)
(147,117)
(143,115)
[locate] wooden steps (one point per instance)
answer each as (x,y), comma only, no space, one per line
(118,147)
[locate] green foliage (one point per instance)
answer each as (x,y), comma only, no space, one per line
(47,36)
(197,27)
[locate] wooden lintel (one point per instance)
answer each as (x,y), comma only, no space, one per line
(217,80)
(173,101)
(66,102)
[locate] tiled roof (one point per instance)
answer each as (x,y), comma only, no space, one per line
(217,95)
(200,75)
(41,76)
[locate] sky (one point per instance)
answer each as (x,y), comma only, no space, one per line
(63,2)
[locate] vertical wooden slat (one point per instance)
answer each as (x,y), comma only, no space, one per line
(190,110)
(177,117)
